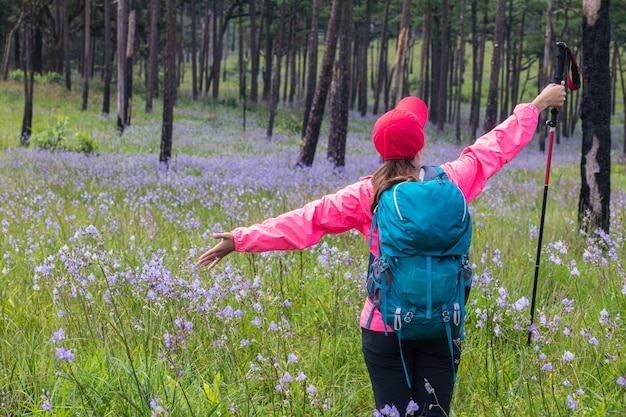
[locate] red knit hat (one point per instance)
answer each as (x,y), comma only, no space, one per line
(399,133)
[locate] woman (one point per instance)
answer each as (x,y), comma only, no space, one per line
(398,136)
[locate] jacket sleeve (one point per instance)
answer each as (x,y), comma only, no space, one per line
(298,229)
(481,160)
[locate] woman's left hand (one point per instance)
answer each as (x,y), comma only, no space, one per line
(214,255)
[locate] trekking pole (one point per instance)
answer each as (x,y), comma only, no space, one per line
(551,123)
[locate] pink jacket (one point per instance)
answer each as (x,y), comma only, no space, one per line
(349,208)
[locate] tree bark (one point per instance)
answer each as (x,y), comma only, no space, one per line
(307,153)
(401,52)
(443,68)
(86,55)
(128,66)
(424,81)
(275,93)
(338,131)
(381,77)
(152,72)
(7,47)
(312,67)
(254,53)
(491,112)
(122,14)
(479,65)
(461,73)
(194,50)
(595,192)
(29,81)
(66,45)
(547,47)
(170,84)
(106,94)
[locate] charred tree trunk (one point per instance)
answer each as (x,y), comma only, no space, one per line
(29,81)
(122,14)
(424,79)
(443,68)
(170,83)
(194,51)
(381,77)
(401,53)
(275,93)
(595,165)
(491,112)
(86,55)
(547,47)
(254,54)
(312,67)
(479,65)
(341,102)
(307,154)
(66,45)
(152,72)
(461,73)
(106,96)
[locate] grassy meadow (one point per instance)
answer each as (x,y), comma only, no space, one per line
(103,312)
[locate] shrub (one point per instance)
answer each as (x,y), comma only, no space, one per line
(52,137)
(85,143)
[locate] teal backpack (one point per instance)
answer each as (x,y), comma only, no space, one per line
(421,277)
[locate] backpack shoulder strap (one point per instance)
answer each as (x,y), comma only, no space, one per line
(430,172)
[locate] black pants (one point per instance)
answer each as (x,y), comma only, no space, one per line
(425,359)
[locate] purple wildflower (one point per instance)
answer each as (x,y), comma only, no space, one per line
(58,336)
(66,355)
(568,356)
(411,408)
(621,381)
(547,367)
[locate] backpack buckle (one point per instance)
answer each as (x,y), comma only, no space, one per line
(409,317)
(446,316)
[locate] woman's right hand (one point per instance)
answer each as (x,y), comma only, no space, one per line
(553,95)
(214,255)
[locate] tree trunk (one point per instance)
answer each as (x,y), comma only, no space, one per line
(86,55)
(595,192)
(443,69)
(106,96)
(461,72)
(152,72)
(254,54)
(362,48)
(424,79)
(170,83)
(547,47)
(401,52)
(128,66)
(479,65)
(491,112)
(66,45)
(267,26)
(122,14)
(338,131)
(307,154)
(275,94)
(293,81)
(7,47)
(194,50)
(29,81)
(436,94)
(381,77)
(312,67)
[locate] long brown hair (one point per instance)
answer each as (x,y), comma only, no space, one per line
(390,173)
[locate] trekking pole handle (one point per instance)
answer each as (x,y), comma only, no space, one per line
(558,77)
